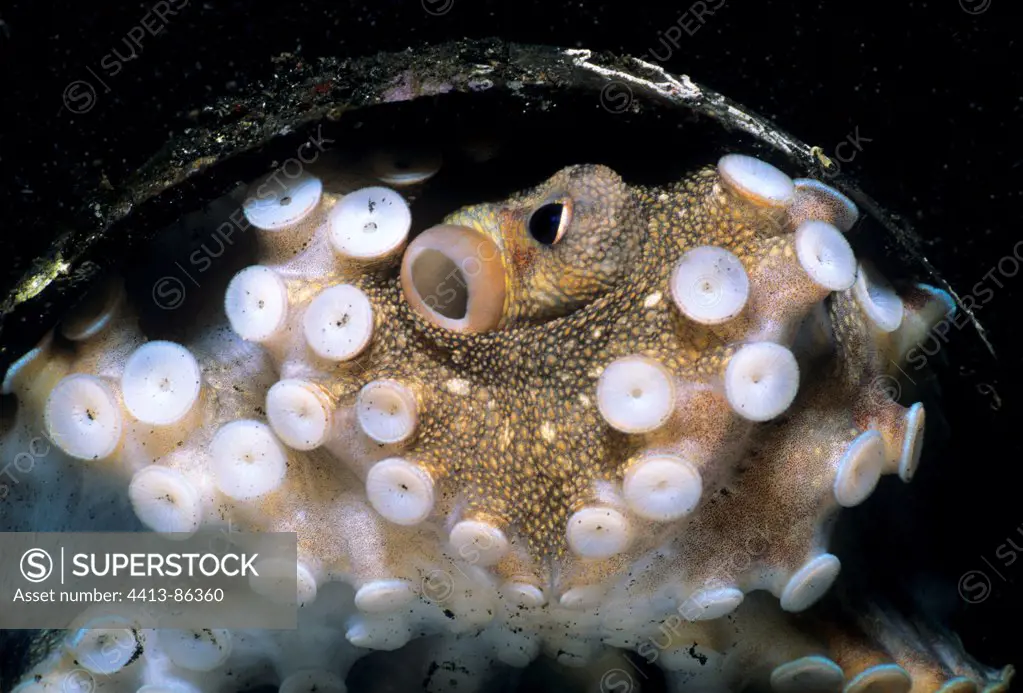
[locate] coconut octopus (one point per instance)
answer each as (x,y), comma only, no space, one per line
(594,421)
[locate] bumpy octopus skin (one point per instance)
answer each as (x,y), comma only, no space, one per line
(591,418)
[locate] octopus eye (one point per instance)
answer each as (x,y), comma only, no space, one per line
(549,222)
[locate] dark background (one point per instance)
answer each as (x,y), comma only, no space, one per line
(932,89)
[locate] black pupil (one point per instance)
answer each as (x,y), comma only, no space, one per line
(544,224)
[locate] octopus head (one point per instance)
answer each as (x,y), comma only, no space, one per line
(539,255)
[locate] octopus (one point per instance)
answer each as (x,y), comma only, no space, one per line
(595,422)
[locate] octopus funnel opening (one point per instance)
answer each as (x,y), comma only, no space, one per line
(453,276)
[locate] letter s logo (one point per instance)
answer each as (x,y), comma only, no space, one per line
(974,586)
(616,681)
(36,565)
